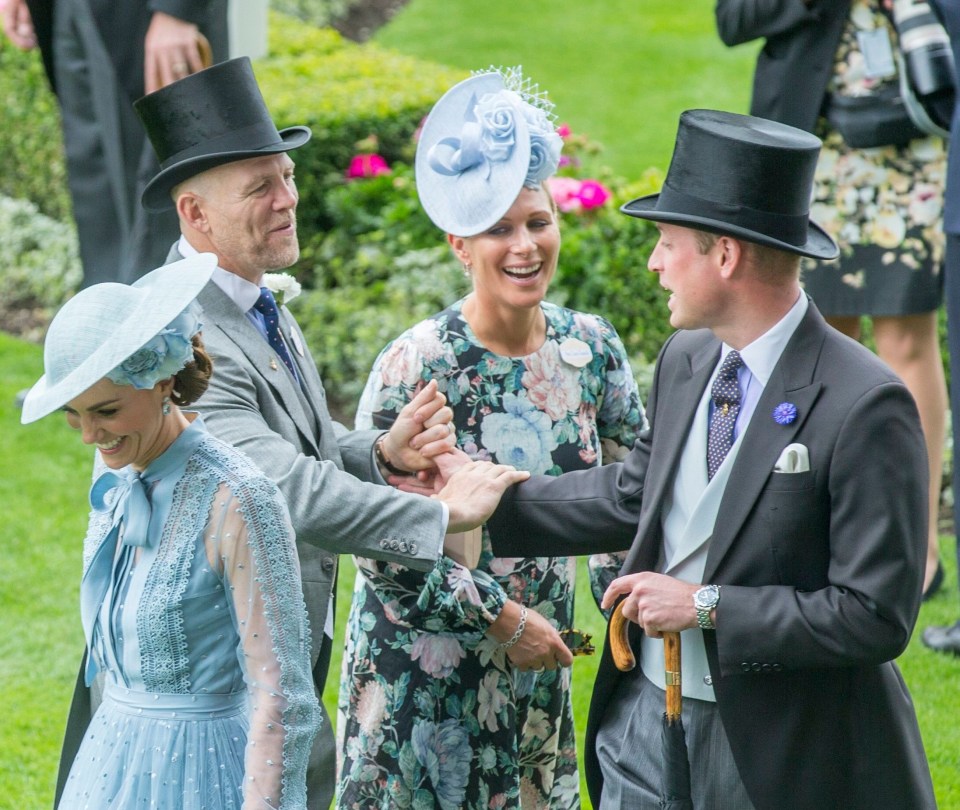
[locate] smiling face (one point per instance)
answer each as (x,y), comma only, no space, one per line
(126,424)
(692,275)
(513,262)
(245,212)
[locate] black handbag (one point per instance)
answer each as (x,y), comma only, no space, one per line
(880,119)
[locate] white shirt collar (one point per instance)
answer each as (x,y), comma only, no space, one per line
(242,292)
(763,354)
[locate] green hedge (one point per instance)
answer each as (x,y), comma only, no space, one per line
(371,261)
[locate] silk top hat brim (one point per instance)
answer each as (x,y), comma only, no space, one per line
(103,325)
(742,176)
(465,182)
(210,118)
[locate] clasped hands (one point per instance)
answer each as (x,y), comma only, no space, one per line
(422,441)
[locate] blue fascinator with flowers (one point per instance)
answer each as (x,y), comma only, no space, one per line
(134,335)
(484,140)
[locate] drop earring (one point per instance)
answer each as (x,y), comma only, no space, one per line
(165,408)
(467,267)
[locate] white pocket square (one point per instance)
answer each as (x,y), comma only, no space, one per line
(794,459)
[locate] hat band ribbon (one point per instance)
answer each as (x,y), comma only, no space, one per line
(789,228)
(458,154)
(246,139)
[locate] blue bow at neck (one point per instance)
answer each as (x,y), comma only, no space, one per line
(131,511)
(130,505)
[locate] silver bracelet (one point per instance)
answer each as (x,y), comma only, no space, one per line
(519,631)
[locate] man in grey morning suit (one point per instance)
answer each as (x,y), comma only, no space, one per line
(225,167)
(805,549)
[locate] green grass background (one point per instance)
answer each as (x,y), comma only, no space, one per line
(619,71)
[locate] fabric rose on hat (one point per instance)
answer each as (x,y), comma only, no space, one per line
(164,355)
(496,113)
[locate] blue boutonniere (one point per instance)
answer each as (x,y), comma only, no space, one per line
(785,413)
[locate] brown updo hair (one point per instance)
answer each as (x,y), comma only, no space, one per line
(192,380)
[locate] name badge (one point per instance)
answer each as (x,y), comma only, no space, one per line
(575,352)
(877,53)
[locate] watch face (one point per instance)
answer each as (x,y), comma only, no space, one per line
(707,596)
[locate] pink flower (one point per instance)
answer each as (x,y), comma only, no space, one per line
(564,131)
(367,166)
(552,386)
(592,194)
(565,191)
(438,655)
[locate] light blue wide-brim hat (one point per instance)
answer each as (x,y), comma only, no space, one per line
(480,144)
(102,325)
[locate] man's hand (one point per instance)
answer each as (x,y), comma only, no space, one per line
(473,492)
(17,24)
(539,646)
(422,431)
(171,51)
(656,602)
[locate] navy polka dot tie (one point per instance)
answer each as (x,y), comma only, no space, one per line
(726,405)
(267,307)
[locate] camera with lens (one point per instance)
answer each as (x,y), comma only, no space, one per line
(928,59)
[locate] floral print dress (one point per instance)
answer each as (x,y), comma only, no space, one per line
(431,713)
(882,205)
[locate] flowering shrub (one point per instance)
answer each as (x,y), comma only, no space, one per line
(366,166)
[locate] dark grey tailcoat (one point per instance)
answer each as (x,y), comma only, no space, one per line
(821,571)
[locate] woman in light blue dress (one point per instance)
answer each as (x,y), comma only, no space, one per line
(190,599)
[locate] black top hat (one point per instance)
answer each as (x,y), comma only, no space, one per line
(209,118)
(743,176)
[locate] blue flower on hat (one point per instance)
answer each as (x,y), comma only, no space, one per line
(785,413)
(164,355)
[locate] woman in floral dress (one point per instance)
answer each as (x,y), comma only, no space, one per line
(882,205)
(433,713)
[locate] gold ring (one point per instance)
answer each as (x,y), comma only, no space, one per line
(179,67)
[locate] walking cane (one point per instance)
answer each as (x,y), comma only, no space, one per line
(675,784)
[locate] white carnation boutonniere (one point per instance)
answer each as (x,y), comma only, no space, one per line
(283,286)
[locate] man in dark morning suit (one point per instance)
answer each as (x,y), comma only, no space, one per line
(100,56)
(794,572)
(225,168)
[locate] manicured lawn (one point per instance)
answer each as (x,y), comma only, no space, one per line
(620,71)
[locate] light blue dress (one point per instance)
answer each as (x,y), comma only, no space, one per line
(192,605)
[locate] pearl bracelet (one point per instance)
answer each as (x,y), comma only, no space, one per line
(519,631)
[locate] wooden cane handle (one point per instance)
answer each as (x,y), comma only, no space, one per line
(206,52)
(619,642)
(671,665)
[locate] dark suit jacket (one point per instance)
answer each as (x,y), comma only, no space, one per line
(949,14)
(796,62)
(821,571)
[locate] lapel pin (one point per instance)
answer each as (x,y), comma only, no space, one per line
(273,364)
(785,413)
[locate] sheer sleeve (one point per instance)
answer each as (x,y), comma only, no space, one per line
(250,541)
(620,418)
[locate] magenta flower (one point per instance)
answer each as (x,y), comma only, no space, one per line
(592,194)
(367,166)
(564,130)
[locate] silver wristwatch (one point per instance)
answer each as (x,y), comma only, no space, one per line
(706,599)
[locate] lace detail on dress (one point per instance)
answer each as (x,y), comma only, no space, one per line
(268,533)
